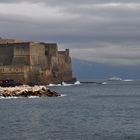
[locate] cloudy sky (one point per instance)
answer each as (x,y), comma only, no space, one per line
(101,31)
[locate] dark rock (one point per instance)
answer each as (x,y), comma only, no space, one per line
(9,83)
(72,81)
(36,83)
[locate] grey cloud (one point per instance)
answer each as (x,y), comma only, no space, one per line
(114,55)
(101,34)
(68,2)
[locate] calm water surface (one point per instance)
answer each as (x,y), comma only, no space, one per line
(87,112)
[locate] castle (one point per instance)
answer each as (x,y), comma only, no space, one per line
(34,62)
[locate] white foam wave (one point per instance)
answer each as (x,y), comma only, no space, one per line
(77,83)
(33,97)
(63,95)
(17,97)
(52,85)
(104,83)
(65,84)
(10,97)
(128,80)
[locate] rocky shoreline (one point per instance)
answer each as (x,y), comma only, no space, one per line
(27,91)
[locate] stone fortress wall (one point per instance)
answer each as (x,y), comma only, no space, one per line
(34,62)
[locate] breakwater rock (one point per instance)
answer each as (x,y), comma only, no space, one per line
(27,91)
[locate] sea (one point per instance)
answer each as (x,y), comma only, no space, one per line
(97,111)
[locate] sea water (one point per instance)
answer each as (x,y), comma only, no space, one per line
(109,111)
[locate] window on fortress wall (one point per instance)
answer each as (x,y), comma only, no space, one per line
(46,52)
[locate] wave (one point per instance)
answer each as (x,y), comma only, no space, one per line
(30,97)
(128,80)
(17,97)
(104,83)
(77,83)
(65,84)
(63,95)
(10,97)
(33,97)
(51,85)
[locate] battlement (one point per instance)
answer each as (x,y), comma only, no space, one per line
(5,41)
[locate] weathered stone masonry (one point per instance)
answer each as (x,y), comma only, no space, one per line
(34,62)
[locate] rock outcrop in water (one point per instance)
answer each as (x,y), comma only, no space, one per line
(27,91)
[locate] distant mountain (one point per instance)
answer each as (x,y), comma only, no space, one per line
(85,70)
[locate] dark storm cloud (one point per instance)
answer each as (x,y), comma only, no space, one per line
(104,31)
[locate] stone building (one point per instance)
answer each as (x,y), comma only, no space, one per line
(34,62)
